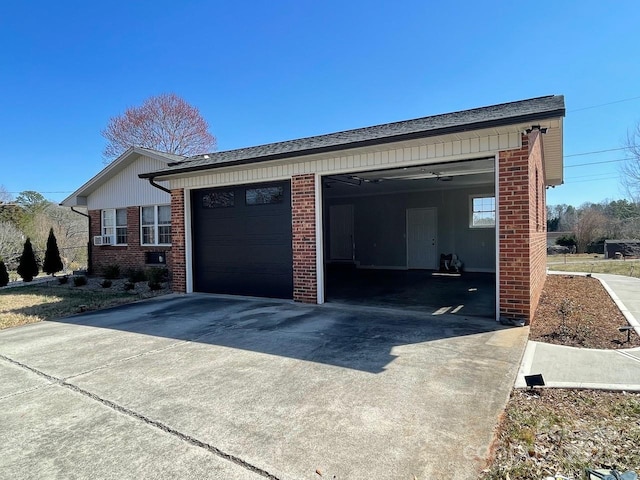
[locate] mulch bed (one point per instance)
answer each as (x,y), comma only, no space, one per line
(577,311)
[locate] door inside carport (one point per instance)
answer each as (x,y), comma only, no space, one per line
(242,240)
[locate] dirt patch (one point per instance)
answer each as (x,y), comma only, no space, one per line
(577,311)
(564,431)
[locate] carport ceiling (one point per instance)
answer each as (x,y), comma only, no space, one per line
(423,177)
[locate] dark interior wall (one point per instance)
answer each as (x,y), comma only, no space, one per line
(380,227)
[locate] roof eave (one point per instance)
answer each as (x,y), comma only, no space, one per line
(533,117)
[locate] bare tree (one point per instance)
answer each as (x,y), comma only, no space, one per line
(5,196)
(630,170)
(11,240)
(165,122)
(590,225)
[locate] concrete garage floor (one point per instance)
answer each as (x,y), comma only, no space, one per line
(203,386)
(469,293)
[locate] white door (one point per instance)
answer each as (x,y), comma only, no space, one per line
(422,230)
(341,246)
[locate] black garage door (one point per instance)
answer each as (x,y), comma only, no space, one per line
(242,240)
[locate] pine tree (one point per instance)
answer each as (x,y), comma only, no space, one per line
(4,275)
(52,261)
(28,267)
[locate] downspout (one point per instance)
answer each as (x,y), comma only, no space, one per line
(89,264)
(154,184)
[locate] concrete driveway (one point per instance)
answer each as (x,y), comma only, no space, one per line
(200,386)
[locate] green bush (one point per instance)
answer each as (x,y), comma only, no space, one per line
(135,275)
(28,267)
(106,283)
(567,241)
(4,275)
(64,279)
(111,272)
(79,280)
(52,261)
(129,285)
(157,275)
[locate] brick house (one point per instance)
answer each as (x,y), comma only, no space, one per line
(129,219)
(271,220)
(278,220)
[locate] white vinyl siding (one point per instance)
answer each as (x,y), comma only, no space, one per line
(415,152)
(155,225)
(114,224)
(126,189)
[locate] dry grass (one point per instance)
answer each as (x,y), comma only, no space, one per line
(51,300)
(565,431)
(594,264)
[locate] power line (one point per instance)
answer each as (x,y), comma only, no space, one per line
(597,163)
(591,180)
(595,151)
(603,104)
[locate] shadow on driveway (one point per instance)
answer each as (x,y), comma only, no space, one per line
(348,336)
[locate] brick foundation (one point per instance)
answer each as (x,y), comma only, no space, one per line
(522,231)
(130,256)
(303,219)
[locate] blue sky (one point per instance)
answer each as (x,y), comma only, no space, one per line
(269,71)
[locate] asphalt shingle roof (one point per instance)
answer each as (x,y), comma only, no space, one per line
(485,117)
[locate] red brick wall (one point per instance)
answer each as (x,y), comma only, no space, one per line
(522,230)
(303,219)
(179,277)
(127,256)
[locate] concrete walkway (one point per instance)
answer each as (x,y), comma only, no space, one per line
(570,367)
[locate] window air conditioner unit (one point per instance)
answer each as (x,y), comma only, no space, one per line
(103,240)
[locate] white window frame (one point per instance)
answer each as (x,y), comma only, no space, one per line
(156,226)
(472,211)
(112,230)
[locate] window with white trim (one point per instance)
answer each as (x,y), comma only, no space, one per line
(155,225)
(483,211)
(114,224)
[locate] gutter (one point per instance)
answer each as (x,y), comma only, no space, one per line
(528,118)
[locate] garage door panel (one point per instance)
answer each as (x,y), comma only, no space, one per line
(242,249)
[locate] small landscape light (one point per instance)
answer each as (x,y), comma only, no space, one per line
(534,380)
(626,328)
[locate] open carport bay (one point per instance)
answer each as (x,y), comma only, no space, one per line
(205,386)
(385,232)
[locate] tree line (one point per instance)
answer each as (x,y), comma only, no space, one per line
(31,216)
(590,224)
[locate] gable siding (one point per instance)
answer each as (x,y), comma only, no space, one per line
(353,161)
(126,189)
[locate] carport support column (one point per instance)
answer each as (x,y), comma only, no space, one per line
(178,259)
(522,228)
(303,223)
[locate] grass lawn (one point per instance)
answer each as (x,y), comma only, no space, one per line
(593,264)
(48,301)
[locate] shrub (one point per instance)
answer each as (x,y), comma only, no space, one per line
(135,275)
(567,241)
(4,275)
(64,279)
(52,261)
(111,272)
(28,267)
(106,283)
(129,286)
(156,274)
(79,280)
